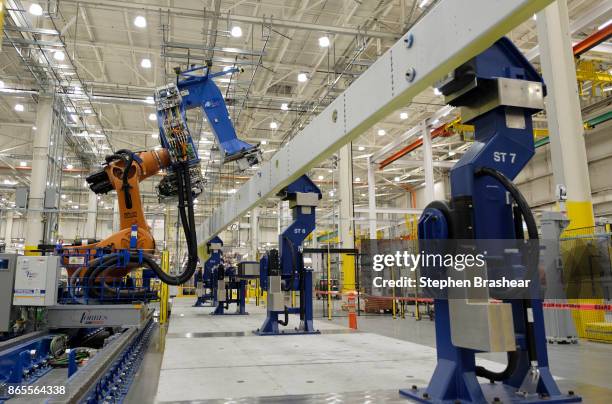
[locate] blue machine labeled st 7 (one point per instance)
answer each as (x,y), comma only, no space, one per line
(498,92)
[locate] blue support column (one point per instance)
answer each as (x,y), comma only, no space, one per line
(288,263)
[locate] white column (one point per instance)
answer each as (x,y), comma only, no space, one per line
(346,225)
(371,200)
(568,151)
(92,216)
(8,230)
(279,214)
(254,227)
(345,187)
(116,215)
(427,163)
(38,179)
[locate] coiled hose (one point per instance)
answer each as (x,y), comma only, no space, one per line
(532,231)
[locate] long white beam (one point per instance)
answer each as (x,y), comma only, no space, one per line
(449,35)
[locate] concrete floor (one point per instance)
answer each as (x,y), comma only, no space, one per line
(217,359)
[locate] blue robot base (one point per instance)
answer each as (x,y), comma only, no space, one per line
(493,393)
(271,325)
(204,301)
(220,311)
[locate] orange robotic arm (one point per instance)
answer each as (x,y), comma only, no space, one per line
(123,173)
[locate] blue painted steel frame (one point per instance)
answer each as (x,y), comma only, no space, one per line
(200,91)
(293,274)
(213,261)
(233,284)
(25,363)
(454,379)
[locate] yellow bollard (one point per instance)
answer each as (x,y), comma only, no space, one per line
(164,292)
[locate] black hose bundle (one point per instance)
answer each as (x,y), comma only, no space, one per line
(532,231)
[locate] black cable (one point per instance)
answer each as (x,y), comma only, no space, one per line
(294,261)
(285,322)
(125,182)
(532,231)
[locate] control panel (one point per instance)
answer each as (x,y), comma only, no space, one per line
(36,280)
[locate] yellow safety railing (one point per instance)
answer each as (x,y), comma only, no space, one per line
(164,292)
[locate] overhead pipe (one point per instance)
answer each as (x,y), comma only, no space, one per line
(592,41)
(442,131)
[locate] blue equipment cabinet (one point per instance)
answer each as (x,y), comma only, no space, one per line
(498,91)
(282,271)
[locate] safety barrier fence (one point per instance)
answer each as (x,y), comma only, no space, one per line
(587,253)
(422,307)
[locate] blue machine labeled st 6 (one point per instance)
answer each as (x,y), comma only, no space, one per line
(498,92)
(283,270)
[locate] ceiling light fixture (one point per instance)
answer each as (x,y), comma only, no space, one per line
(19,107)
(302,77)
(273,125)
(23,164)
(361,148)
(284,106)
(140,21)
(59,56)
(403,116)
(324,42)
(152,117)
(35,9)
(236,31)
(145,63)
(381,132)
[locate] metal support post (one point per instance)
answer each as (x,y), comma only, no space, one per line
(371,200)
(427,162)
(346,226)
(92,216)
(40,162)
(8,230)
(567,147)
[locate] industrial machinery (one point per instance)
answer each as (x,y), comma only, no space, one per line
(94,269)
(283,270)
(7,280)
(498,91)
(229,288)
(99,301)
(205,284)
(559,323)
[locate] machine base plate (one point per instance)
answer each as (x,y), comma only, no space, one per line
(494,393)
(229,314)
(286,332)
